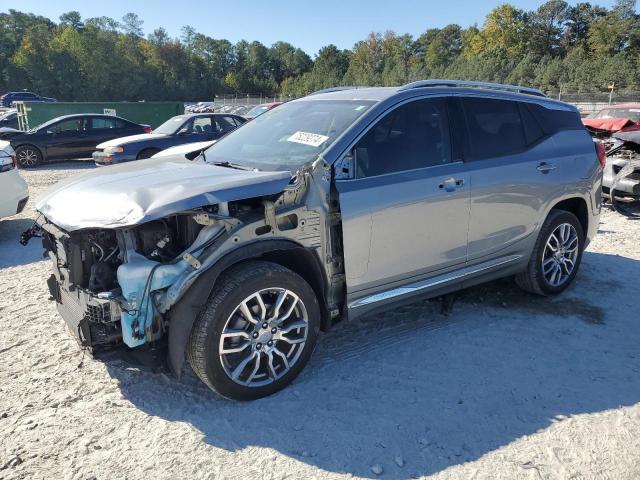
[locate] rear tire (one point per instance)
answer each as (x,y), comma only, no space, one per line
(28,156)
(556,256)
(147,153)
(243,344)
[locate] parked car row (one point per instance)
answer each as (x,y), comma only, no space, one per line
(247,111)
(108,139)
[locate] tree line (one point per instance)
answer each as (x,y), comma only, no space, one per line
(576,48)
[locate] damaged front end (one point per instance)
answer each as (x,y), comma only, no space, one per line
(117,278)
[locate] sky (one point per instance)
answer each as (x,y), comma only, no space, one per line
(308,25)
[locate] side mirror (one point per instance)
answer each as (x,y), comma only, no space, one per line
(344,168)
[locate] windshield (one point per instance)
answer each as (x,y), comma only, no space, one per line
(171,126)
(289,136)
(7,114)
(255,111)
(632,114)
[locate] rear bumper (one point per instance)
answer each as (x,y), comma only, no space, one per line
(94,322)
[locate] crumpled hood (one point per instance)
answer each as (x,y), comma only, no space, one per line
(609,124)
(137,192)
(131,138)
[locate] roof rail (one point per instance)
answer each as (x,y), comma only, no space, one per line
(472,84)
(333,89)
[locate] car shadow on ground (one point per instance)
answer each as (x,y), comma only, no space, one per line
(417,388)
(12,253)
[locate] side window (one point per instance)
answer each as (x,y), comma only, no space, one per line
(553,121)
(494,128)
(225,123)
(101,122)
(202,125)
(414,135)
(73,125)
(532,129)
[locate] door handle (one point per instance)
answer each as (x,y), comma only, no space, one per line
(545,167)
(450,184)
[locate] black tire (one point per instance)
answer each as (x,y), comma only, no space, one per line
(28,156)
(533,280)
(147,153)
(231,289)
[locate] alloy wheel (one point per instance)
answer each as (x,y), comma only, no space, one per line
(27,157)
(264,336)
(560,254)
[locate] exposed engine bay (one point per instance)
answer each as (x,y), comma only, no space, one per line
(118,285)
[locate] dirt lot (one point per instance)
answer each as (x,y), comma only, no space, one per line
(508,386)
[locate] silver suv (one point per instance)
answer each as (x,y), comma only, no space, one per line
(325,208)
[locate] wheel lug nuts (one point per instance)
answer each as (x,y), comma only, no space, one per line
(258,346)
(270,343)
(274,330)
(265,325)
(255,334)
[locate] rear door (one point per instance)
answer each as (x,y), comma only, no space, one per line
(513,171)
(104,128)
(405,215)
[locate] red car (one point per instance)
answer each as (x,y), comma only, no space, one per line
(614,118)
(260,109)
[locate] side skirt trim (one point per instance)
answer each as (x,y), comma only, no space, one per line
(417,287)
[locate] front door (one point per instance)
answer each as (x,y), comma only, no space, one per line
(69,139)
(405,214)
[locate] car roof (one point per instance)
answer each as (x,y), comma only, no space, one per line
(380,94)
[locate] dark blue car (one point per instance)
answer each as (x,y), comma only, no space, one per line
(175,131)
(8,98)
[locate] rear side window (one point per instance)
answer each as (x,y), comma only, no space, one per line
(494,128)
(414,135)
(101,122)
(533,130)
(554,121)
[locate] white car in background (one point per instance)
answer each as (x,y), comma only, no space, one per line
(188,150)
(14,192)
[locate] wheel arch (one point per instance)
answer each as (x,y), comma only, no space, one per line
(147,149)
(286,253)
(579,207)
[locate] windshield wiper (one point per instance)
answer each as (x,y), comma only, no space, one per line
(229,165)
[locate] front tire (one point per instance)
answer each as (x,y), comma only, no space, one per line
(256,332)
(28,156)
(556,255)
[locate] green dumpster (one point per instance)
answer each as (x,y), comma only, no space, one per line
(32,114)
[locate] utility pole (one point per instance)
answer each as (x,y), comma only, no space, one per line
(611,87)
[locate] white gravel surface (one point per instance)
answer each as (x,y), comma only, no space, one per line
(508,386)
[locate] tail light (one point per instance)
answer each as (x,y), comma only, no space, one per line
(148,129)
(602,154)
(7,163)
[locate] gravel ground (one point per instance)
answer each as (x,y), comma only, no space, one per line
(508,386)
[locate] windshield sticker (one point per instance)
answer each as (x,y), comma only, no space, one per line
(306,138)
